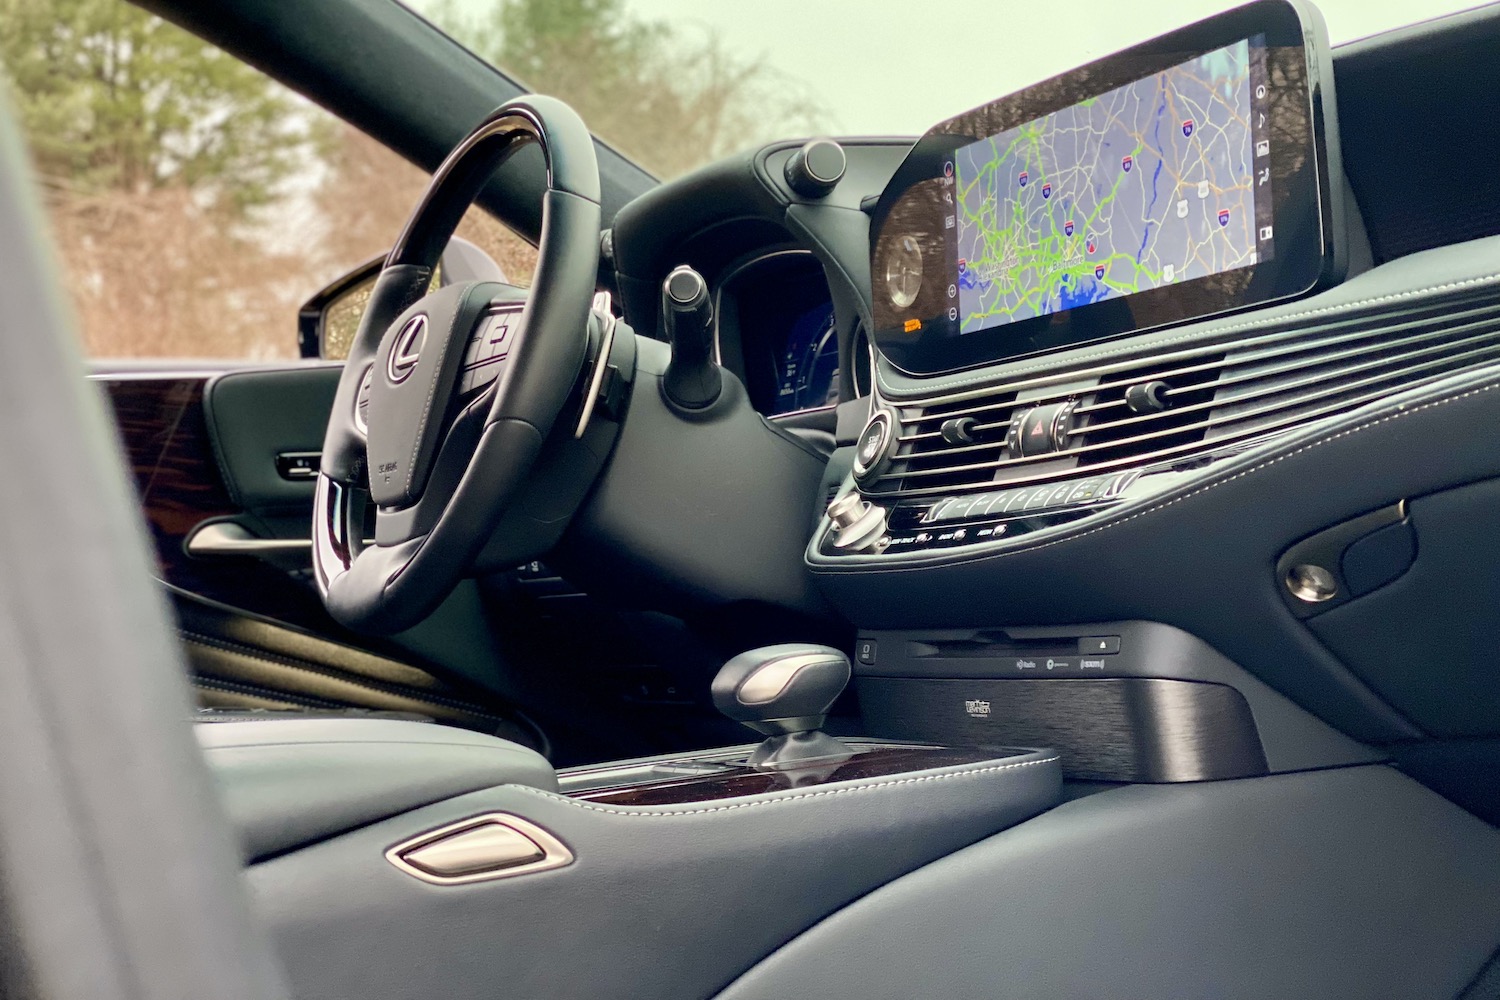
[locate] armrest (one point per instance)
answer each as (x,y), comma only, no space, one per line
(287,783)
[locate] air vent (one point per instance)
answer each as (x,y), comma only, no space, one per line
(1182,406)
(1140,411)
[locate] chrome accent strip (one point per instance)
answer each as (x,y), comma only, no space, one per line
(555,854)
(769,680)
(602,306)
(218,539)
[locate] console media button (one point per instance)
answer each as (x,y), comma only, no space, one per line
(997,502)
(1086,490)
(935,512)
(1120,483)
(1018,499)
(1099,645)
(865,650)
(980,505)
(957,508)
(1091,663)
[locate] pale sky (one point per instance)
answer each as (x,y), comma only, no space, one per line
(901,66)
(898,67)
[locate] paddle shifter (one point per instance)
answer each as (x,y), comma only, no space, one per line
(693,380)
(784,692)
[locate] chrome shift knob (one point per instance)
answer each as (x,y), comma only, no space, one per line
(784,689)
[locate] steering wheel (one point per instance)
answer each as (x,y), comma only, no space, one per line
(448,397)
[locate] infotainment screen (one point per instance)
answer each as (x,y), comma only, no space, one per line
(1180,179)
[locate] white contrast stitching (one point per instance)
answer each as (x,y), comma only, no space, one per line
(1195,334)
(432,389)
(670,811)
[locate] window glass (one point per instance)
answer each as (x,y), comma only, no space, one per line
(195,202)
(676,83)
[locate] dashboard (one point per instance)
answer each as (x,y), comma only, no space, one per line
(775,328)
(1155,459)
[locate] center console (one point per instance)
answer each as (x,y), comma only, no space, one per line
(375,845)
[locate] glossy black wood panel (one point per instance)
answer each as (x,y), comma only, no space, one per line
(739,780)
(165,435)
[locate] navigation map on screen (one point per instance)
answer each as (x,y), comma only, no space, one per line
(1151,184)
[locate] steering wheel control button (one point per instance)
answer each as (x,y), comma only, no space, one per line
(496,845)
(1099,645)
(872,452)
(816,169)
(489,346)
(402,360)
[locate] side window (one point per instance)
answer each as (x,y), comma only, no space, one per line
(195,202)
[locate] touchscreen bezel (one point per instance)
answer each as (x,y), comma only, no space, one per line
(922,339)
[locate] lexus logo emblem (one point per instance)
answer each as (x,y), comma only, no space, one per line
(406,349)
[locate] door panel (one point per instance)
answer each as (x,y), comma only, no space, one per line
(267,428)
(167,443)
(203,448)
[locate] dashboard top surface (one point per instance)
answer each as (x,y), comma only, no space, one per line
(740,207)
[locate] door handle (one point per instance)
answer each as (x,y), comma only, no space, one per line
(222,539)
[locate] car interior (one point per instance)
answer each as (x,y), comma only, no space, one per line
(835,572)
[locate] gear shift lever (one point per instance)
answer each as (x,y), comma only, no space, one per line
(784,692)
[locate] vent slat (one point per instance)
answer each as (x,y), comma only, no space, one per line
(1180,452)
(1443,350)
(1259,388)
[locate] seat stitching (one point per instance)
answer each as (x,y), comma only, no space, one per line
(794,797)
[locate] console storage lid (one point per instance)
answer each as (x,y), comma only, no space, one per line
(288,782)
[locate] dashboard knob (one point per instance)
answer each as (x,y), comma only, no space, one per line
(846,509)
(692,380)
(858,525)
(816,168)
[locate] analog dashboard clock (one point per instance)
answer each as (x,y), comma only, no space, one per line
(903,272)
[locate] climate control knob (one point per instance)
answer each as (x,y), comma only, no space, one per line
(858,525)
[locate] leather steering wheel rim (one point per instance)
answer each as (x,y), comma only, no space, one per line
(425,543)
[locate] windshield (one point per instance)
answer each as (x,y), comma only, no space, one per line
(674,84)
